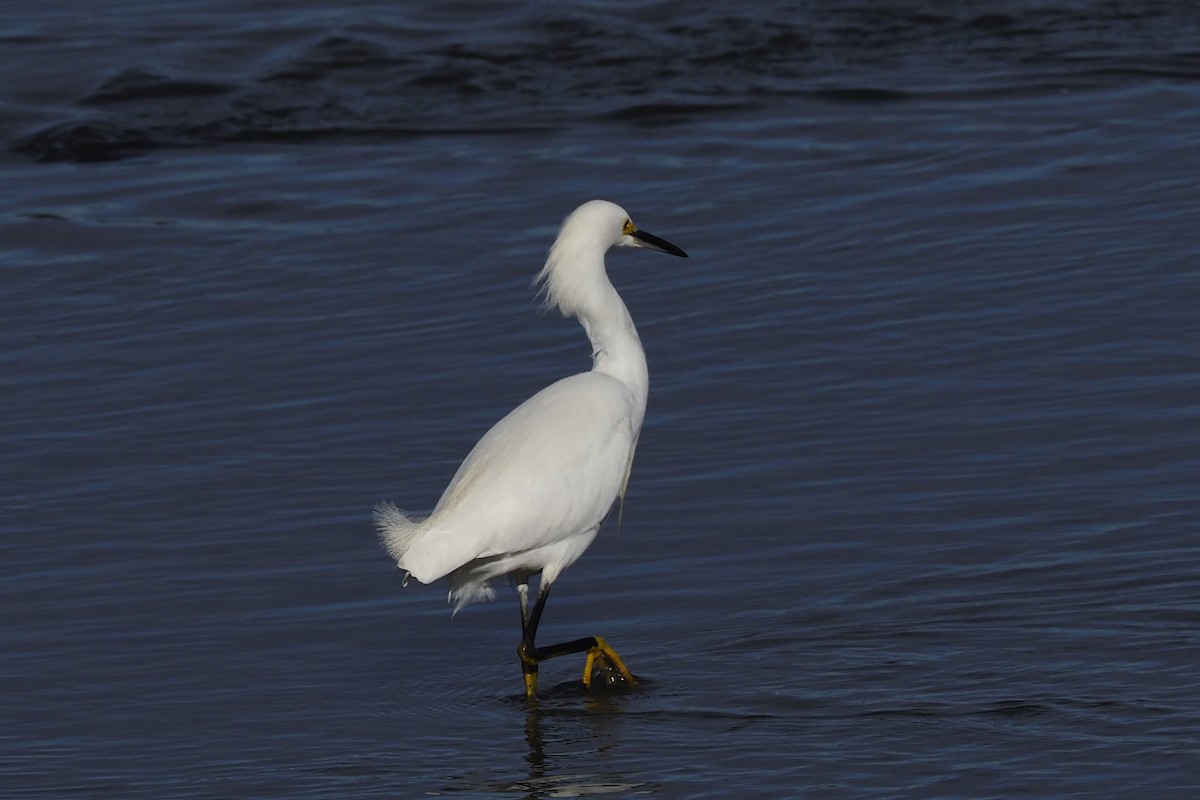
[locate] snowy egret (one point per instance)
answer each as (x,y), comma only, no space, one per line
(532,494)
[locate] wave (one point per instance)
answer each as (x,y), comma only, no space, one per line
(565,70)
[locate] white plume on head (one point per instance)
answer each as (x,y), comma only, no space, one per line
(573,276)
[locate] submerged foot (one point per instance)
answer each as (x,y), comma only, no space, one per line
(605,669)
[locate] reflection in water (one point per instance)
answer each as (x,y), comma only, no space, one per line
(536,759)
(601,714)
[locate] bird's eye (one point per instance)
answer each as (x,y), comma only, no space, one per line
(628,227)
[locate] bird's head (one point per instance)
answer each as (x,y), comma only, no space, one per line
(608,225)
(578,253)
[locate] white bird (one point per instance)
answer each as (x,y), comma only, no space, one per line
(530,497)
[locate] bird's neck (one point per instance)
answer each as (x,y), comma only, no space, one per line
(616,349)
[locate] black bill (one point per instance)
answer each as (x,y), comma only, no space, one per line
(655,243)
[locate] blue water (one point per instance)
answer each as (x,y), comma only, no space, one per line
(914,511)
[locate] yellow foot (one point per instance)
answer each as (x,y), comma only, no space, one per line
(604,663)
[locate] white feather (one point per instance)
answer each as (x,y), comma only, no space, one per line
(531,495)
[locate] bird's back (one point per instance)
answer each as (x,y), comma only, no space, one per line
(550,470)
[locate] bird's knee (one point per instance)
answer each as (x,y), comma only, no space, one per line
(525,652)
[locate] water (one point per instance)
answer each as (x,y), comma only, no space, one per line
(914,512)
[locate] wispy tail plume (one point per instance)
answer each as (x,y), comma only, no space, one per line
(396,529)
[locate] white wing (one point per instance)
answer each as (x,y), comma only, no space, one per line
(548,471)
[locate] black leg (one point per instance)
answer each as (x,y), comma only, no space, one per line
(526,650)
(523,594)
(599,653)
